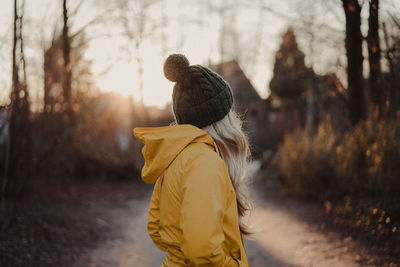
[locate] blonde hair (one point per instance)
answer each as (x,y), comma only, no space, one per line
(233,145)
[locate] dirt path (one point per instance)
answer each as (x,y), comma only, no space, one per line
(291,239)
(287,238)
(129,243)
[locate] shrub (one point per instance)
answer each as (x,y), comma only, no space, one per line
(308,162)
(361,166)
(363,162)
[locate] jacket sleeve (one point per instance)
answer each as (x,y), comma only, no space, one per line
(154,218)
(202,212)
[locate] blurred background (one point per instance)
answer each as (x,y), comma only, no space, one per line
(316,82)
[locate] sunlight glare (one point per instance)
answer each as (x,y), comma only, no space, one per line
(120,79)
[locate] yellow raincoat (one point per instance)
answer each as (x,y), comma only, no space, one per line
(193,211)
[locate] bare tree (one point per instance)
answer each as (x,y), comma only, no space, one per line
(374,53)
(17,163)
(67,66)
(63,59)
(232,42)
(137,26)
(353,43)
(392,56)
(307,11)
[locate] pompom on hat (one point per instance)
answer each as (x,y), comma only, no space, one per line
(176,67)
(200,96)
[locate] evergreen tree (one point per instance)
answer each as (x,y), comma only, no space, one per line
(290,73)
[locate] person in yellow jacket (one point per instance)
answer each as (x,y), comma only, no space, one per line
(198,166)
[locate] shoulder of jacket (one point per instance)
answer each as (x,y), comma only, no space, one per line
(200,152)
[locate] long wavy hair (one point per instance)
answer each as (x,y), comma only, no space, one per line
(233,145)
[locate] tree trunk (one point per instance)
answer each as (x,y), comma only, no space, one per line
(374,54)
(353,43)
(24,142)
(47,105)
(310,116)
(14,98)
(393,93)
(17,163)
(15,80)
(67,65)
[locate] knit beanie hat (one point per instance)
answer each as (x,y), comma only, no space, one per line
(200,96)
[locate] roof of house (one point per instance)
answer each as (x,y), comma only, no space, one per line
(243,90)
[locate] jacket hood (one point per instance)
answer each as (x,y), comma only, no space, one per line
(163,144)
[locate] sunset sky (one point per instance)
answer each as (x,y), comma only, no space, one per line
(199,44)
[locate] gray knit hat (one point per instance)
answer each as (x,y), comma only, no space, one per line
(200,96)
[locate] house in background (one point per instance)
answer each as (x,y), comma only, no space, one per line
(288,105)
(247,102)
